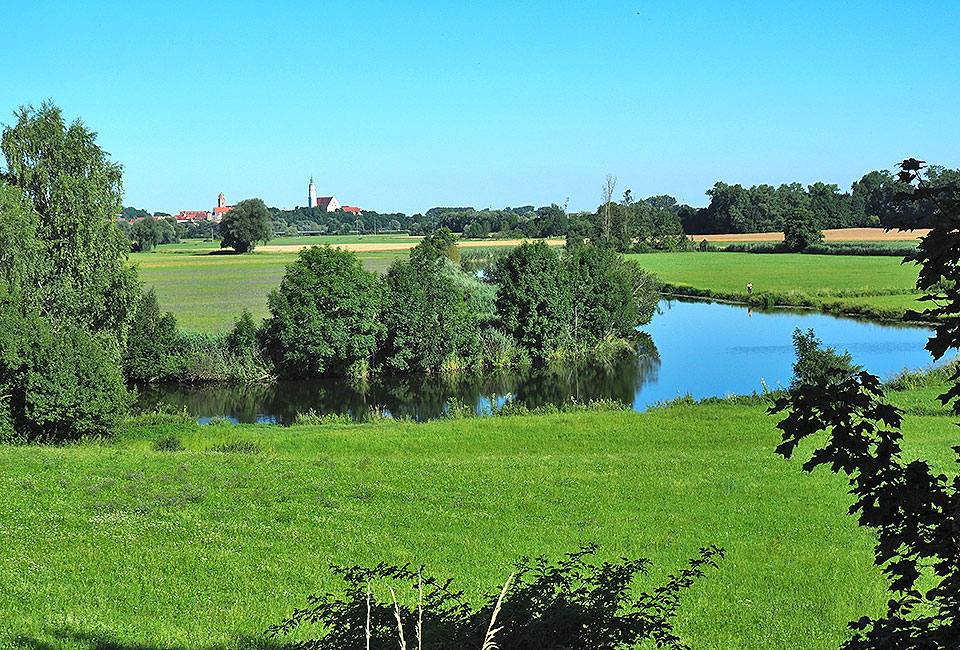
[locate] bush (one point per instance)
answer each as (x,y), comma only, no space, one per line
(324,316)
(816,365)
(312,418)
(57,383)
(576,603)
(242,339)
(168,442)
(152,342)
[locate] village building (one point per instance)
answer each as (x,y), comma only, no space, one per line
(325,203)
(222,207)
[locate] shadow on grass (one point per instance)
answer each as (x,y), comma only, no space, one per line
(65,637)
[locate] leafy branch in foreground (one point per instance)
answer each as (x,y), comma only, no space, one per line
(914,510)
(937,254)
(575,603)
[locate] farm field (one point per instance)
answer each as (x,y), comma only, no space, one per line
(859,279)
(837,234)
(119,545)
(208,292)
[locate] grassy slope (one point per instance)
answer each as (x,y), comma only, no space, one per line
(208,292)
(198,549)
(823,275)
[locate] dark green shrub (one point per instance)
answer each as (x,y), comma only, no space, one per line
(168,442)
(324,316)
(58,383)
(152,343)
(576,603)
(243,337)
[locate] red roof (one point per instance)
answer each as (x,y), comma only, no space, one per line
(193,215)
(350,208)
(219,212)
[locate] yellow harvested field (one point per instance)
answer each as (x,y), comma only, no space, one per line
(362,247)
(840,234)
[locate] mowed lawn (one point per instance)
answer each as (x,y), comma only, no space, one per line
(817,275)
(208,292)
(123,546)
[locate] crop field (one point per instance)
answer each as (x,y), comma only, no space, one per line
(863,279)
(838,235)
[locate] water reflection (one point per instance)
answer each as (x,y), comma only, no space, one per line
(416,397)
(701,349)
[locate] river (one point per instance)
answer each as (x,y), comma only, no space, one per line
(698,348)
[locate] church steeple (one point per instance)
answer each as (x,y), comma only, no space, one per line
(311,194)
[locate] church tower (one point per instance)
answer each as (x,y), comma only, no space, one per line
(311,195)
(221,201)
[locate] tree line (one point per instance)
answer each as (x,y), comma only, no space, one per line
(871,202)
(331,317)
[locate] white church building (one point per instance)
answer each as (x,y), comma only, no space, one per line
(328,203)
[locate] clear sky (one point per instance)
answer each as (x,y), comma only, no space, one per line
(400,106)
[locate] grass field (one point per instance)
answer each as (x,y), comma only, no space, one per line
(208,292)
(121,546)
(864,280)
(194,245)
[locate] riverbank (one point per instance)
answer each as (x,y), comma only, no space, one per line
(109,544)
(874,287)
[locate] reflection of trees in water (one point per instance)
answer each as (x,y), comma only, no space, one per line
(619,378)
(420,397)
(244,402)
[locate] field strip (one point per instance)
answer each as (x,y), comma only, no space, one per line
(361,247)
(839,234)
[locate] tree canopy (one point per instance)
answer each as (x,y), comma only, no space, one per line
(324,317)
(533,297)
(248,223)
(75,192)
(66,289)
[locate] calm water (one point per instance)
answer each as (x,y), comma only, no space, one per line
(704,349)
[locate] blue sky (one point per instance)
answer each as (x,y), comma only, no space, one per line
(400,106)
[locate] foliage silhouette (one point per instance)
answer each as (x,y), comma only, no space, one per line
(576,603)
(914,510)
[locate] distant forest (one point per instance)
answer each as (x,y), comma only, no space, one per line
(657,222)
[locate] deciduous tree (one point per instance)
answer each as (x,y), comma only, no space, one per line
(533,298)
(75,191)
(324,317)
(247,224)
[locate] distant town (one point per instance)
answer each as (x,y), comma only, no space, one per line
(326,203)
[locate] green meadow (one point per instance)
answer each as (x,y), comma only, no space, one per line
(860,280)
(207,292)
(119,545)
